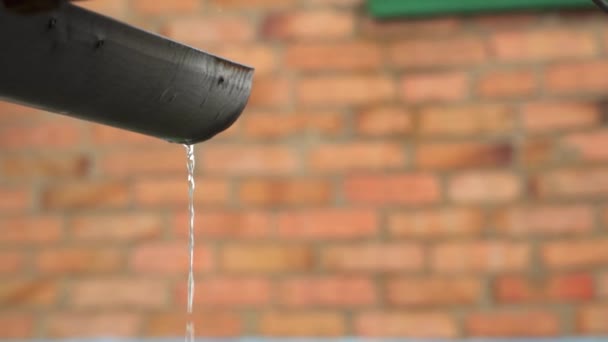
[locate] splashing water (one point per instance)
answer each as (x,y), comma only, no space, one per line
(191,186)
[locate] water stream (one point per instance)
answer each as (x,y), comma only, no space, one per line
(191,186)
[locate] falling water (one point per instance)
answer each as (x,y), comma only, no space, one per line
(191,185)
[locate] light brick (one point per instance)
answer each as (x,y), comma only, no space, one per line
(556,116)
(593,320)
(169,258)
(484,186)
(147,7)
(16,325)
(467,120)
(507,84)
(435,87)
(173,192)
(513,324)
(86,195)
(136,162)
(577,77)
(392,189)
(345,90)
(229,292)
(119,324)
(384,121)
(247,159)
(213,324)
(15,198)
(270,192)
(544,220)
(423,53)
(83,260)
(270,92)
(29,166)
(344,157)
(220,29)
(327,291)
(11,262)
(481,256)
(320,24)
(266,258)
(435,291)
(302,324)
(267,125)
(116,227)
(261,57)
(40,230)
(590,146)
(406,324)
(32,293)
(118,293)
(436,223)
(225,224)
(373,257)
(575,253)
(58,134)
(571,183)
(349,56)
(328,224)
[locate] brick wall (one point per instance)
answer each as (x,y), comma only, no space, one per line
(436,178)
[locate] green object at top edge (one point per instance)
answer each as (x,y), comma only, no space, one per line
(420,8)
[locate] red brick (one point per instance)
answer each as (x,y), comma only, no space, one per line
(15,198)
(11,262)
(384,121)
(16,325)
(168,258)
(436,223)
(35,293)
(344,157)
(174,192)
(603,286)
(537,151)
(577,77)
(406,324)
(484,186)
(347,56)
(285,192)
(102,135)
(459,155)
(327,224)
(544,220)
(504,20)
(12,112)
(137,162)
(31,230)
(302,324)
(27,166)
(382,29)
(116,227)
(225,224)
(419,292)
(56,134)
(571,183)
(270,92)
(200,31)
(247,159)
(575,253)
(252,4)
(542,45)
(569,287)
(513,324)
(287,125)
(590,146)
(166,7)
(261,57)
(345,90)
(555,116)
(118,293)
(437,52)
(593,320)
(332,292)
(68,260)
(86,195)
(111,8)
(468,120)
(435,87)
(215,324)
(480,256)
(373,257)
(238,292)
(412,188)
(321,24)
(118,324)
(507,83)
(266,258)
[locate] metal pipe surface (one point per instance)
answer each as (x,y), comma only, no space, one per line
(78,63)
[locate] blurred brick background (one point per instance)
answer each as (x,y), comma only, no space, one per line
(437,178)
